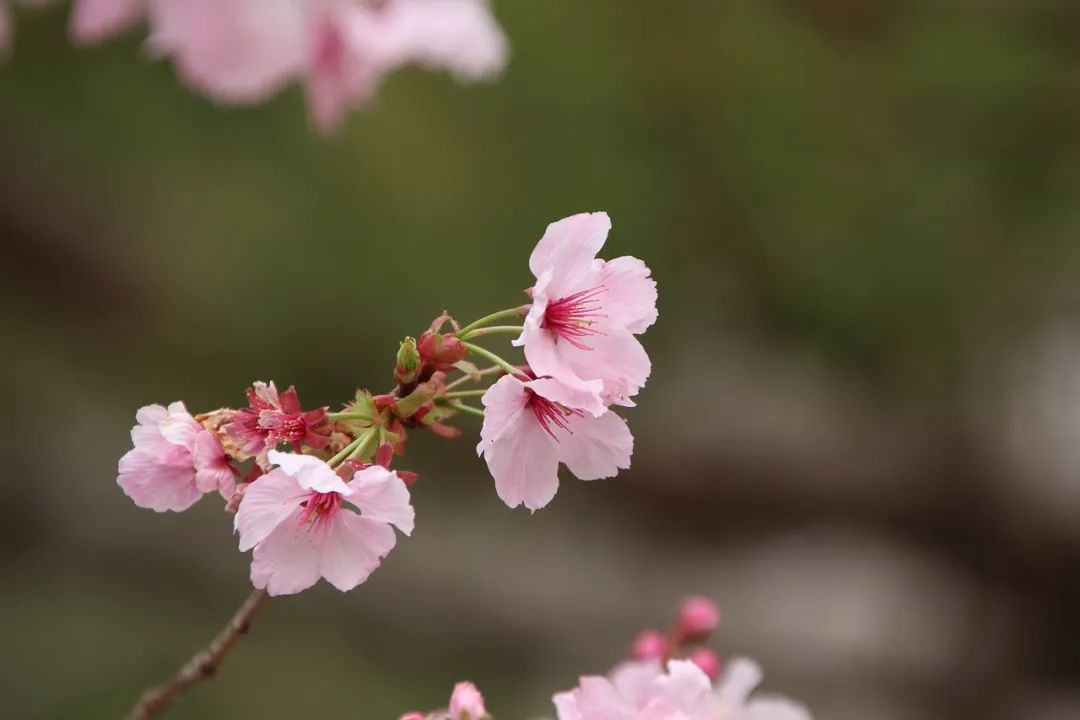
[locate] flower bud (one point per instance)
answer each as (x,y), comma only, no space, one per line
(698,617)
(408,362)
(649,645)
(441,351)
(707,660)
(466,703)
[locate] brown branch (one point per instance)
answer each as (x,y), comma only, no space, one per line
(202,666)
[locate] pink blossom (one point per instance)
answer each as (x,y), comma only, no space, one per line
(295,519)
(466,703)
(697,618)
(641,691)
(586,312)
(174,462)
(649,645)
(532,426)
(272,418)
(95,20)
(732,696)
(242,51)
(707,660)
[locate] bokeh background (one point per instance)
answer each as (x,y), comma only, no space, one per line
(862,433)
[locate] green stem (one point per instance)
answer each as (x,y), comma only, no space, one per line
(467,377)
(492,330)
(510,312)
(466,408)
(345,451)
(492,357)
(465,394)
(348,416)
(363,448)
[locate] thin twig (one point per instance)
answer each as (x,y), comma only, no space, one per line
(202,666)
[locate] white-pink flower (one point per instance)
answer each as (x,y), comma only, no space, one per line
(242,51)
(530,426)
(95,20)
(586,312)
(466,703)
(682,691)
(174,462)
(296,520)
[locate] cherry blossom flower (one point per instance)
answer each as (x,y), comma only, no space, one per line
(174,462)
(273,418)
(586,312)
(95,20)
(242,51)
(466,703)
(296,520)
(530,426)
(644,691)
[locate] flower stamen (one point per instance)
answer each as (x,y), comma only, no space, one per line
(551,414)
(572,317)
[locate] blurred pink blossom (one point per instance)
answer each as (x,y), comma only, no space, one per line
(95,20)
(532,426)
(294,519)
(586,312)
(174,462)
(697,618)
(242,51)
(466,703)
(645,691)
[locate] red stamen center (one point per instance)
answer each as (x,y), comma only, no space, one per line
(319,509)
(284,427)
(573,316)
(550,414)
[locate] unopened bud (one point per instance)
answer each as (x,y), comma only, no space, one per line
(441,351)
(698,618)
(650,645)
(408,361)
(707,660)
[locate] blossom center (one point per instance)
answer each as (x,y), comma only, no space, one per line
(282,426)
(572,317)
(319,508)
(551,414)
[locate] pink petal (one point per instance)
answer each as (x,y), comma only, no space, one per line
(179,428)
(776,709)
(566,706)
(461,36)
(238,51)
(353,549)
(212,469)
(685,686)
(466,702)
(617,358)
(310,472)
(630,300)
(287,561)
(598,447)
(95,20)
(634,680)
(572,393)
(267,503)
(597,699)
(503,404)
(382,497)
(740,678)
(159,482)
(568,249)
(524,465)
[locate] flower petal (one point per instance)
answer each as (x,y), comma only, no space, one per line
(597,447)
(267,503)
(310,472)
(287,561)
(503,404)
(159,482)
(630,300)
(524,465)
(95,20)
(776,708)
(572,393)
(568,249)
(353,548)
(382,497)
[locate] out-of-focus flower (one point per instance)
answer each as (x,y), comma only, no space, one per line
(532,426)
(174,462)
(96,20)
(645,691)
(649,645)
(466,703)
(242,51)
(295,520)
(641,691)
(586,312)
(272,418)
(707,660)
(697,618)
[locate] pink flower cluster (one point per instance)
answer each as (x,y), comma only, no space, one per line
(327,508)
(243,51)
(663,687)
